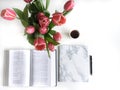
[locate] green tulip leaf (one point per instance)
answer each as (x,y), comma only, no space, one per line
(50,39)
(33,8)
(22,17)
(47,4)
(47,47)
(42,5)
(47,13)
(19,13)
(39,5)
(52,32)
(24,23)
(51,25)
(25,11)
(36,25)
(30,39)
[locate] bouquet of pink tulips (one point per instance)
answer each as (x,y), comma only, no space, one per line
(38,24)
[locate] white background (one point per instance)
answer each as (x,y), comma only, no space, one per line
(99,24)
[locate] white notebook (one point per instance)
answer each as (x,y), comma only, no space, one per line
(74,64)
(31,68)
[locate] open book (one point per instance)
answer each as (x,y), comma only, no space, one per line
(69,63)
(31,68)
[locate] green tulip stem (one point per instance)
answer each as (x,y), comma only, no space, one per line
(47,4)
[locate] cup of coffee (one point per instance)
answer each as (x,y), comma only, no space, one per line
(74,34)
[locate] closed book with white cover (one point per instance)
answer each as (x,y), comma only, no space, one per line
(74,65)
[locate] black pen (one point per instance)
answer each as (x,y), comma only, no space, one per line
(91,70)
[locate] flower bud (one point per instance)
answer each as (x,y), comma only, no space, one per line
(57,36)
(30,29)
(27,1)
(39,44)
(51,47)
(44,21)
(39,15)
(69,5)
(58,19)
(43,30)
(8,14)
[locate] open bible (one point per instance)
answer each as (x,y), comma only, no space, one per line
(31,68)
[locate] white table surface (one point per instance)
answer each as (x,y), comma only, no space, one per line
(99,24)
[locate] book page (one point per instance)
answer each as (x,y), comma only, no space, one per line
(53,62)
(19,67)
(41,72)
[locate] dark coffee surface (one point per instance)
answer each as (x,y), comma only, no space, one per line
(74,34)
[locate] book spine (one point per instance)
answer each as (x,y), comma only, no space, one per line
(58,64)
(31,68)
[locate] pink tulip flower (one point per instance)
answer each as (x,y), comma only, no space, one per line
(30,29)
(69,5)
(39,44)
(58,19)
(51,47)
(27,1)
(43,30)
(8,14)
(57,36)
